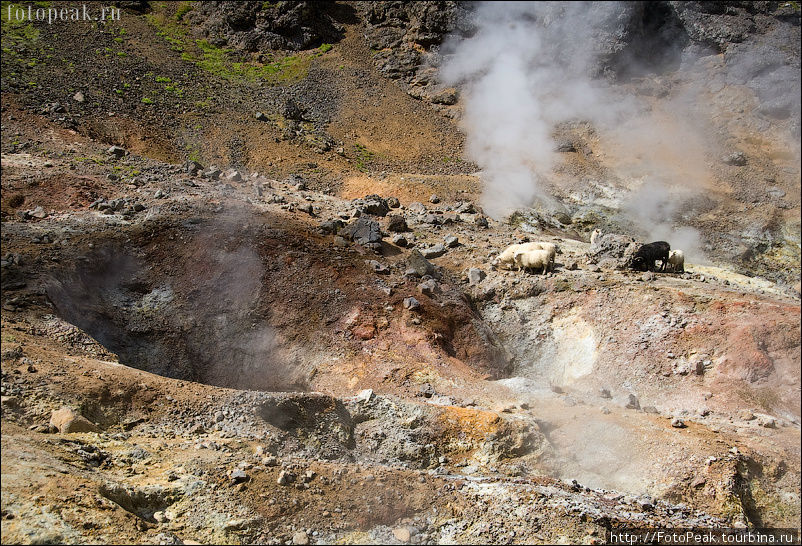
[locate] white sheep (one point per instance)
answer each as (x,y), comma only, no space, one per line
(534,259)
(507,256)
(551,247)
(676,260)
(594,235)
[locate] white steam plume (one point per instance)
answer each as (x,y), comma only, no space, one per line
(533,65)
(525,70)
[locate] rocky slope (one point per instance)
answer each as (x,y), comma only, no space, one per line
(266,295)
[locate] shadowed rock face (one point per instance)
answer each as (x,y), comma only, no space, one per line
(262,26)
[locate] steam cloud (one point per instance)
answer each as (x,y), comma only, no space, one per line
(532,66)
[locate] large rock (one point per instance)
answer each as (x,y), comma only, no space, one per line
(613,250)
(372,204)
(67,419)
(421,265)
(397,223)
(365,232)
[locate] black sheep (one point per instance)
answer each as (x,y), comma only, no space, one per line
(646,256)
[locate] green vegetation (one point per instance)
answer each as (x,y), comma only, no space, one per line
(362,156)
(325,48)
(147,100)
(18,33)
(217,60)
(193,154)
(174,89)
(182,10)
(220,61)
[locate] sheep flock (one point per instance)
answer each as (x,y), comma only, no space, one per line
(540,256)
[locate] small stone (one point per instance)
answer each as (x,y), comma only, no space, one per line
(746,415)
(632,402)
(260,116)
(270,460)
(426,390)
(434,199)
(116,151)
(331,226)
(766,421)
(481,222)
(429,288)
(451,241)
(238,476)
(365,395)
(677,423)
(378,267)
(160,517)
(235,524)
(411,303)
(699,481)
(212,173)
(38,212)
(300,538)
(285,478)
(605,393)
(402,534)
(737,159)
(68,420)
(400,240)
(233,175)
(434,251)
(650,409)
(563,218)
(475,276)
(393,202)
(78,97)
(364,332)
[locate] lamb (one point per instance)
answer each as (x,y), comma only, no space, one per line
(647,254)
(676,260)
(534,259)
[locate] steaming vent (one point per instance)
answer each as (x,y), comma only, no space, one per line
(200,320)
